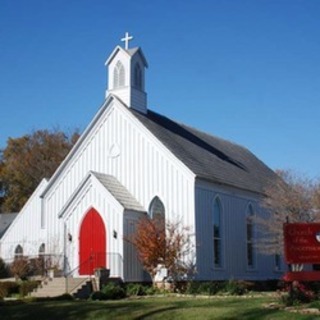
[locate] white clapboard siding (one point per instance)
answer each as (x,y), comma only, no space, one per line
(26,228)
(119,145)
(133,270)
(234,255)
(93,195)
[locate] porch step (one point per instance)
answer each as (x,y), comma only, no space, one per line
(58,286)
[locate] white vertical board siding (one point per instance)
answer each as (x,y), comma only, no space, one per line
(142,164)
(94,195)
(234,251)
(26,228)
(133,270)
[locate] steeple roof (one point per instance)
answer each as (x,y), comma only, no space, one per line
(130,52)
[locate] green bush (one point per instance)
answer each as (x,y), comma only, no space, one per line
(113,291)
(136,289)
(238,287)
(97,295)
(210,288)
(4,270)
(297,293)
(232,287)
(27,286)
(20,268)
(152,290)
(8,288)
(192,287)
(37,266)
(205,288)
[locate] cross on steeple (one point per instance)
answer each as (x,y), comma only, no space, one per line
(126,40)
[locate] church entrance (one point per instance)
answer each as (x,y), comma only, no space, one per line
(92,243)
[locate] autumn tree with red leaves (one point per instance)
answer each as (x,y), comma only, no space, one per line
(159,243)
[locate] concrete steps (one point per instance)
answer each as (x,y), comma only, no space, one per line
(78,287)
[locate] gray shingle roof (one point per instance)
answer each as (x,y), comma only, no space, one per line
(119,191)
(5,220)
(209,157)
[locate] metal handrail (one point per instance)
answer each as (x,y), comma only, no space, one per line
(68,275)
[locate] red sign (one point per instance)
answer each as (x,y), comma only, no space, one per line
(302,243)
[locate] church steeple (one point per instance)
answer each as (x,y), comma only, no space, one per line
(126,75)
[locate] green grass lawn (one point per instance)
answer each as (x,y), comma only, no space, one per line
(149,308)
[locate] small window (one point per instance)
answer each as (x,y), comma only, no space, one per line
(277,262)
(118,75)
(217,234)
(18,252)
(250,237)
(157,213)
(156,209)
(137,76)
(42,249)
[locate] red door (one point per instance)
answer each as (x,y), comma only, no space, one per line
(92,246)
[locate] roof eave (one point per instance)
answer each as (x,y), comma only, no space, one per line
(222,183)
(118,48)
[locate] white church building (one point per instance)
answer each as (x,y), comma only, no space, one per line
(130,162)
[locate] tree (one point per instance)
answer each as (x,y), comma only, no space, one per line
(26,161)
(160,243)
(291,198)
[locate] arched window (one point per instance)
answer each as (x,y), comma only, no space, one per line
(250,237)
(137,76)
(156,209)
(118,75)
(42,249)
(217,233)
(157,213)
(18,252)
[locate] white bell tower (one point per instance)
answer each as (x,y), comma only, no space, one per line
(126,75)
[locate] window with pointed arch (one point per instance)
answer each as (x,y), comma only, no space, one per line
(157,212)
(118,75)
(217,233)
(250,237)
(42,250)
(137,76)
(18,252)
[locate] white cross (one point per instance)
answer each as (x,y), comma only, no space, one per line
(126,40)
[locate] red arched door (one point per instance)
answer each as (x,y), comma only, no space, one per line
(92,246)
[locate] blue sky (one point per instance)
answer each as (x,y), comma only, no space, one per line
(247,71)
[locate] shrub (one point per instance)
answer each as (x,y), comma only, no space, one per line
(8,288)
(20,268)
(151,290)
(37,266)
(4,270)
(205,288)
(209,288)
(267,285)
(297,293)
(97,295)
(237,287)
(27,286)
(192,287)
(113,291)
(136,289)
